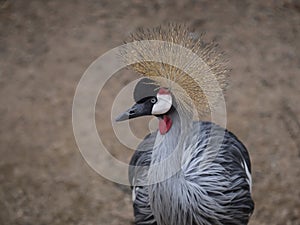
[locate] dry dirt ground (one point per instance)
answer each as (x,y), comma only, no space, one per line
(45,47)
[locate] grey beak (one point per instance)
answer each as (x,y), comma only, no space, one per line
(122,117)
(137,110)
(130,113)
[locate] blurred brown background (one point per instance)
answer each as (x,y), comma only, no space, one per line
(45,47)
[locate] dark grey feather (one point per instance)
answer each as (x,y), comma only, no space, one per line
(214,193)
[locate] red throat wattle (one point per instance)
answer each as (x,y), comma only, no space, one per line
(165,124)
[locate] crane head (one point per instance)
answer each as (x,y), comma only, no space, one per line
(150,100)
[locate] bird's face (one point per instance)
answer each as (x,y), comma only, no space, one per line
(150,100)
(157,105)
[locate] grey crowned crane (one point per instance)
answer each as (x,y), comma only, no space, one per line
(188,172)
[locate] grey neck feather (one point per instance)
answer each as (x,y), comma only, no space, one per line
(168,148)
(165,175)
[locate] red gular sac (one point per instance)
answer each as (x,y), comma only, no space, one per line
(165,124)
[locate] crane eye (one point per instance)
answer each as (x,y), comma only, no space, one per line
(153,100)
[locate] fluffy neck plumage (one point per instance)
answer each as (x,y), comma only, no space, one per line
(167,152)
(166,179)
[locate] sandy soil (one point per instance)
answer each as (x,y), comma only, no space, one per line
(45,47)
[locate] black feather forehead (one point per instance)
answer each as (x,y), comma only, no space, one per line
(145,88)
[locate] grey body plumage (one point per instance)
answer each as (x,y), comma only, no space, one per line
(218,192)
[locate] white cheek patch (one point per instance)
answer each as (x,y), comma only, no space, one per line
(163,104)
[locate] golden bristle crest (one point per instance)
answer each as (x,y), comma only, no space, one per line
(178,59)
